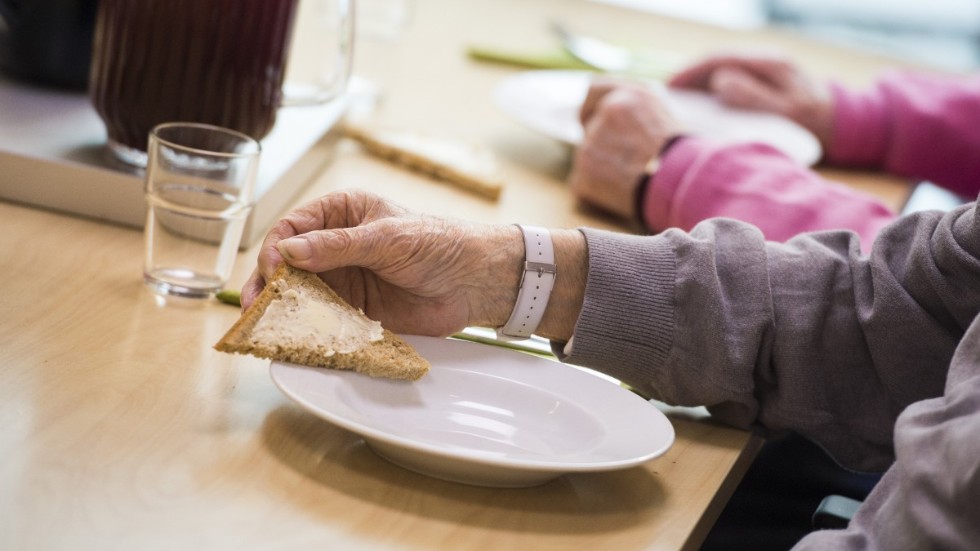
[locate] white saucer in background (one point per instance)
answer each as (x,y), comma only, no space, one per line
(548,102)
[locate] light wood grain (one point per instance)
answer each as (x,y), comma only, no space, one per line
(123,429)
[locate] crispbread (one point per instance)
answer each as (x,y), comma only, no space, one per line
(468,166)
(389,357)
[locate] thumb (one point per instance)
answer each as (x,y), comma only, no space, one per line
(737,88)
(325,250)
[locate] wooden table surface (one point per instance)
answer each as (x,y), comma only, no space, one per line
(123,429)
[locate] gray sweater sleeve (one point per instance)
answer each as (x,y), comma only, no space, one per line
(927,499)
(809,335)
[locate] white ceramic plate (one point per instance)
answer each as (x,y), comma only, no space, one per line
(548,102)
(486,415)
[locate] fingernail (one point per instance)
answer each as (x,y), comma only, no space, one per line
(295,248)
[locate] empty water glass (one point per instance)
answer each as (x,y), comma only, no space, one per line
(199,187)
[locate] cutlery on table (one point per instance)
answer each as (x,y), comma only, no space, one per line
(614,59)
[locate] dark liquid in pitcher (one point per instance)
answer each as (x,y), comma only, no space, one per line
(219,62)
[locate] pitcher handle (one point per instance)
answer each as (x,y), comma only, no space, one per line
(328,89)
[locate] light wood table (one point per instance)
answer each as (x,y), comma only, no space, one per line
(123,429)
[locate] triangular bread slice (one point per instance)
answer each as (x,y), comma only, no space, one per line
(466,165)
(299,319)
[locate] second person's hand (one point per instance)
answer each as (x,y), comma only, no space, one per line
(763,83)
(625,126)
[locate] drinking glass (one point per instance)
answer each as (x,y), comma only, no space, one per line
(380,27)
(199,186)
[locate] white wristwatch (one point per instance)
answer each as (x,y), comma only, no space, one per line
(536,283)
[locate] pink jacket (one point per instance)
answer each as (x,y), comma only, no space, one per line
(912,125)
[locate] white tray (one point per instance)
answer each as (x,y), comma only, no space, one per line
(52,156)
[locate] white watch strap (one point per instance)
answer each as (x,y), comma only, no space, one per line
(536,284)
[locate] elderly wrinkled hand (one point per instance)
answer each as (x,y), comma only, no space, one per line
(625,126)
(764,83)
(416,273)
(413,273)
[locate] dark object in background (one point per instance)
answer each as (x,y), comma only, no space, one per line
(773,507)
(47,41)
(220,62)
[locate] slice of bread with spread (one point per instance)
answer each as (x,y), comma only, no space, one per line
(299,319)
(468,166)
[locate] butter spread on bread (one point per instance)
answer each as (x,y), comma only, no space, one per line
(299,319)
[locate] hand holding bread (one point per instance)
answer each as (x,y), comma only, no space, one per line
(415,273)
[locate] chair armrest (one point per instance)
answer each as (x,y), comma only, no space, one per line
(834,512)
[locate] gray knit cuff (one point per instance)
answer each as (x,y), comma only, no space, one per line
(626,325)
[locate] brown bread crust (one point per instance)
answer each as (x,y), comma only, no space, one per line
(375,144)
(390,357)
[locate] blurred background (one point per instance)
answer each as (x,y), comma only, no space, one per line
(942,33)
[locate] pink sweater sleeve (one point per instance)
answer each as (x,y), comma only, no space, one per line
(699,179)
(916,125)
